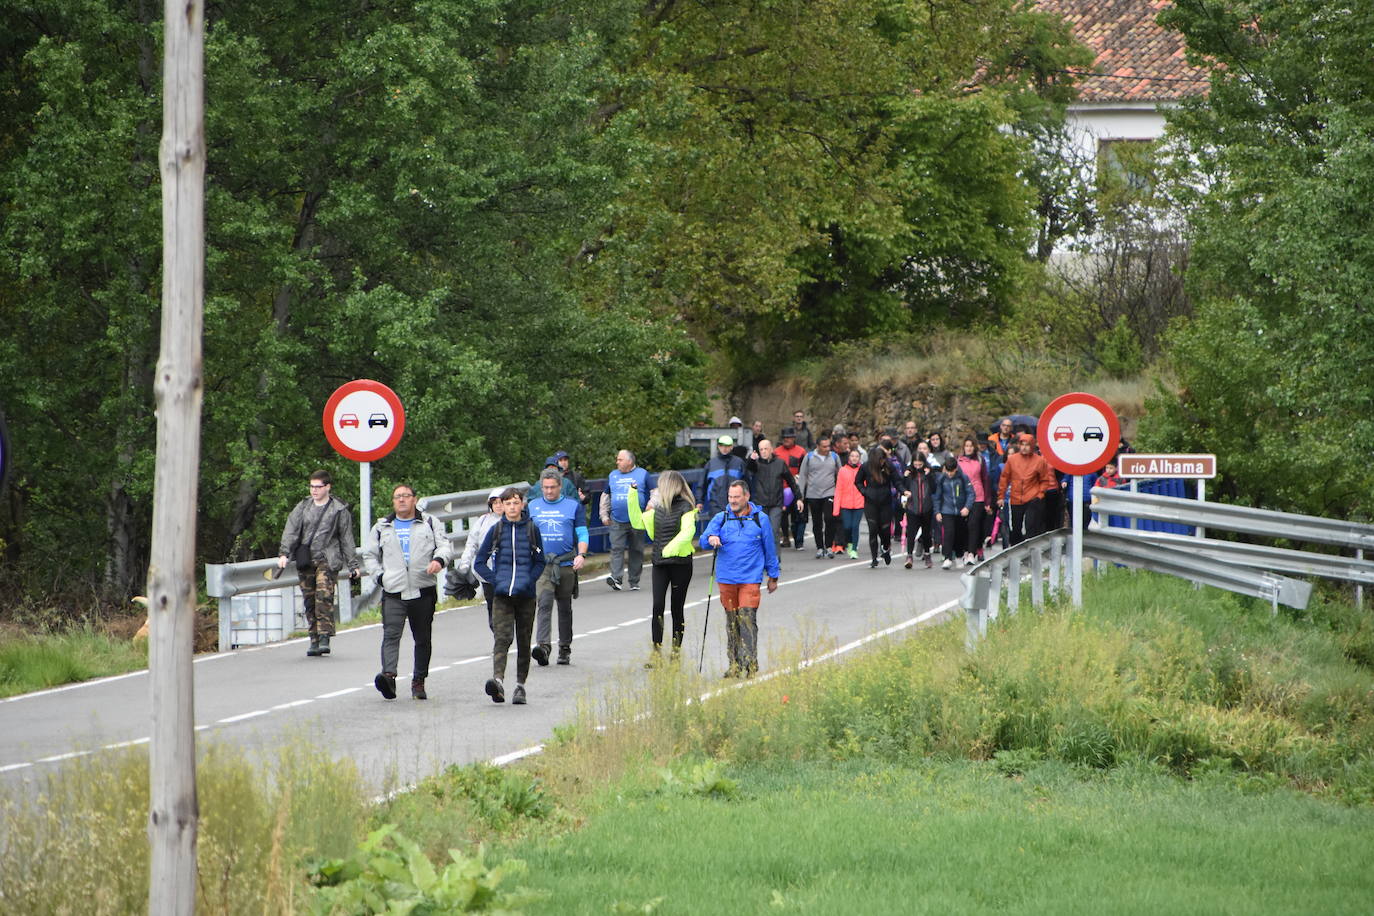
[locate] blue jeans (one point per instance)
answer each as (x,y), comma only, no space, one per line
(850,519)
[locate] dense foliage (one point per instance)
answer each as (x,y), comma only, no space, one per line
(526,218)
(1276,374)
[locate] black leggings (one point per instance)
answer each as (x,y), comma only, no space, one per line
(924,522)
(879,517)
(679,576)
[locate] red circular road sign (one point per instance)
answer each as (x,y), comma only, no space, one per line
(364,420)
(1078,433)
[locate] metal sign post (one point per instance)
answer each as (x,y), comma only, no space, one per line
(1077,549)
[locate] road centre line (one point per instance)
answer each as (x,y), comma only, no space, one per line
(514,755)
(248,650)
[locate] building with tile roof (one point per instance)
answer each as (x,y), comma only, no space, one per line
(1139,69)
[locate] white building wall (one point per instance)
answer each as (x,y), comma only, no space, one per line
(1114,121)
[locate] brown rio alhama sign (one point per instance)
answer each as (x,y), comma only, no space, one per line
(1190,466)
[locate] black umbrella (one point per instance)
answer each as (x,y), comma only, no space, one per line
(1024,420)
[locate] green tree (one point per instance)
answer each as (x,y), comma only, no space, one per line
(1282,231)
(809,172)
(393,193)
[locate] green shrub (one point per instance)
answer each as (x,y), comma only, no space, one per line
(390,874)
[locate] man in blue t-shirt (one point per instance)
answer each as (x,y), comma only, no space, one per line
(562,524)
(615,515)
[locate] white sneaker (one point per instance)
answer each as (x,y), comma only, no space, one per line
(947,564)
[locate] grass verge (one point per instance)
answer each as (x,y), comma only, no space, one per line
(945,836)
(31,663)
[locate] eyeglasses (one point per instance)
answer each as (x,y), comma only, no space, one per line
(318,486)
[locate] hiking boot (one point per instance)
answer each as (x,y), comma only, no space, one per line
(613,582)
(518,697)
(907,564)
(887,558)
(417,689)
(386,684)
(926,558)
(314,649)
(564,655)
(540,654)
(732,671)
(495,690)
(324,645)
(874,564)
(947,564)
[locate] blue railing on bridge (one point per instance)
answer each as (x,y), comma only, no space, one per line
(1163,486)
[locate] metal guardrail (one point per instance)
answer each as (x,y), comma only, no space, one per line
(226,581)
(1313,528)
(1259,556)
(1048,556)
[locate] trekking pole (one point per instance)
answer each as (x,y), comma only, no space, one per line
(710,583)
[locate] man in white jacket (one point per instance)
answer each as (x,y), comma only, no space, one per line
(407,550)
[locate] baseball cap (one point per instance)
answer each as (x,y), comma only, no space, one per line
(495,493)
(551,461)
(560,454)
(725,440)
(789,433)
(735,421)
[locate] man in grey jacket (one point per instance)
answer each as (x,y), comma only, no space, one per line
(319,538)
(817,478)
(407,550)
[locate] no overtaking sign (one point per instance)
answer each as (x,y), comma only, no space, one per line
(1078,433)
(364,420)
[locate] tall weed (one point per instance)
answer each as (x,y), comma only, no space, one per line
(81,846)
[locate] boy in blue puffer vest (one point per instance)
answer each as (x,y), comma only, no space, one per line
(511,558)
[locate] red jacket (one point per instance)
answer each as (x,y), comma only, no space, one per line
(793,456)
(1025,477)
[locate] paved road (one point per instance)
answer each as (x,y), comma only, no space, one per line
(257,698)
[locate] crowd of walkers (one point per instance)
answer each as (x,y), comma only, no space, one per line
(756,497)
(994,488)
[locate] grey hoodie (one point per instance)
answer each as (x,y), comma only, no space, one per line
(817,475)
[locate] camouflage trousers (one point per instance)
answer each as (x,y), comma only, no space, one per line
(317,587)
(742,641)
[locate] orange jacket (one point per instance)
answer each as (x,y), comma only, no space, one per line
(1026,478)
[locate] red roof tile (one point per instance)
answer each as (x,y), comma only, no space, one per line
(1137,60)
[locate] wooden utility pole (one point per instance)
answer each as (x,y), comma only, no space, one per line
(173,814)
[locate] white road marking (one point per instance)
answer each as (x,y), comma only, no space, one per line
(504,759)
(241,716)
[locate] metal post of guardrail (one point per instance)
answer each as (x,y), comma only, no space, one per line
(1359,589)
(1056,563)
(1037,565)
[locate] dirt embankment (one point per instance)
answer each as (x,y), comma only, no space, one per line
(955,412)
